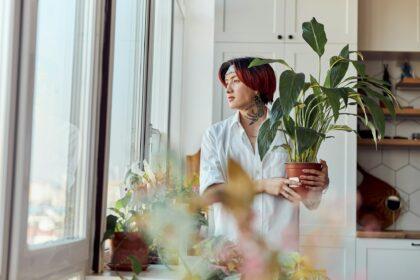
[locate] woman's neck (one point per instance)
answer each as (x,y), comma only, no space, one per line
(253,116)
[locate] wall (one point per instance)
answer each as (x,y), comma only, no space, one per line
(399,167)
(197,72)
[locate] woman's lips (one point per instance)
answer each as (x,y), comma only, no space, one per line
(230,98)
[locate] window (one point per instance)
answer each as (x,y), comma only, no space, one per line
(127,107)
(55,137)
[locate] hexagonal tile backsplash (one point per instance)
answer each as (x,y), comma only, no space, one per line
(398,166)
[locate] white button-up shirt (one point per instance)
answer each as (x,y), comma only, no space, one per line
(275,218)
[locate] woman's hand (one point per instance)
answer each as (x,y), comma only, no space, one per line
(316,180)
(280,186)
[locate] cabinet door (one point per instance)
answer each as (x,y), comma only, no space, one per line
(338,16)
(226,51)
(388,25)
(334,254)
(338,152)
(249,20)
(387,259)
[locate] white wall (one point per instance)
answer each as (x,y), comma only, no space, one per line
(197,72)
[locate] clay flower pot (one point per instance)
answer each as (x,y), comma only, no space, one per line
(125,244)
(293,172)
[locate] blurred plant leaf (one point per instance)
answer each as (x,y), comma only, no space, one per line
(314,35)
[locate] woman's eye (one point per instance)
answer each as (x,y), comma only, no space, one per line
(236,81)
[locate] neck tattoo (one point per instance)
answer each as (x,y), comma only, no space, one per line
(256,110)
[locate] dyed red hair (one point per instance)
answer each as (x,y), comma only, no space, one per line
(260,78)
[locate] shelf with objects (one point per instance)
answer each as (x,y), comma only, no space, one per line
(387,170)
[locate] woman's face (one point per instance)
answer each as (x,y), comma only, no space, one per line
(238,95)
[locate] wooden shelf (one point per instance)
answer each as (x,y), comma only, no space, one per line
(408,86)
(399,234)
(406,112)
(390,143)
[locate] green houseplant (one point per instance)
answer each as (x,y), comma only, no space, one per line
(125,225)
(308,110)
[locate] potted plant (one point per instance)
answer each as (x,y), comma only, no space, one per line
(308,110)
(125,227)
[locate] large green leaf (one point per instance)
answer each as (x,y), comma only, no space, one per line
(276,114)
(261,61)
(360,68)
(377,114)
(314,35)
(266,136)
(111,223)
(291,84)
(343,93)
(306,138)
(333,100)
(311,109)
(289,126)
(380,97)
(339,66)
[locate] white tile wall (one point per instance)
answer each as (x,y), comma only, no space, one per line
(398,166)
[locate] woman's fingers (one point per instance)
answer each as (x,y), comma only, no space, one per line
(290,194)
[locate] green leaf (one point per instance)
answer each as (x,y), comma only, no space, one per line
(341,127)
(314,35)
(312,110)
(339,67)
(289,126)
(360,68)
(123,202)
(341,92)
(111,223)
(276,113)
(118,212)
(135,264)
(291,84)
(261,61)
(333,100)
(266,136)
(377,114)
(380,97)
(306,138)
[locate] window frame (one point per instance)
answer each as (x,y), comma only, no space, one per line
(12,26)
(72,256)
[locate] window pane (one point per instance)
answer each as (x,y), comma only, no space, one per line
(159,111)
(127,92)
(57,188)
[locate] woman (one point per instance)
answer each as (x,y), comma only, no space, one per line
(276,206)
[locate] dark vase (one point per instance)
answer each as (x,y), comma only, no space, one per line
(125,244)
(294,171)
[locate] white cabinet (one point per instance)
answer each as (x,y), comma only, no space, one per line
(387,259)
(281,20)
(338,16)
(389,25)
(335,254)
(249,20)
(226,51)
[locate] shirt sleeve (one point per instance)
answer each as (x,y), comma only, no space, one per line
(210,167)
(312,200)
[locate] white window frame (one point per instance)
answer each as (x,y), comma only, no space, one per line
(8,78)
(60,260)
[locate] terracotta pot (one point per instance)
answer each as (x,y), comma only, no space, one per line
(125,244)
(294,170)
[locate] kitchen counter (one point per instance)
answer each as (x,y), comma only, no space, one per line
(398,234)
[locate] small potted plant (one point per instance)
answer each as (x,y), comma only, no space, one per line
(125,227)
(308,110)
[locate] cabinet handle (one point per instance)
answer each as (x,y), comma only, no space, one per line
(279,37)
(290,37)
(415,244)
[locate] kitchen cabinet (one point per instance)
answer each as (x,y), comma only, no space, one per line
(279,21)
(388,25)
(387,259)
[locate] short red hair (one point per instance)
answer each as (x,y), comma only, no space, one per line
(260,78)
